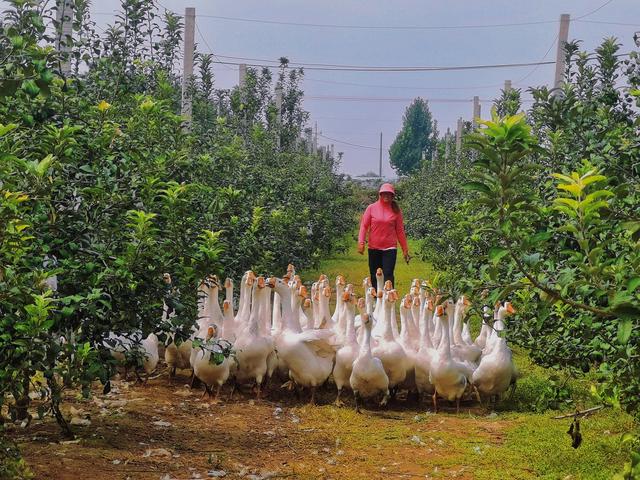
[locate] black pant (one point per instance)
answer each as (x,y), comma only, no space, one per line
(385,259)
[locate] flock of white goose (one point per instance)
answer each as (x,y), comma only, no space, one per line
(297,339)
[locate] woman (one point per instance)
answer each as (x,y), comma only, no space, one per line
(383,221)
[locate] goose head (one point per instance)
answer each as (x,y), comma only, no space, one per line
(302,293)
(449,306)
(226,307)
(340,281)
(291,269)
(430,305)
(439,311)
(326,292)
(509,308)
(362,305)
(212,332)
(407,301)
(261,283)
(392,296)
(366,283)
(166,278)
(251,277)
(228,283)
(366,320)
(388,285)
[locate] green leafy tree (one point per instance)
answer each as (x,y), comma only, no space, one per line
(415,141)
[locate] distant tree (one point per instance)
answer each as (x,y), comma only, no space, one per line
(417,137)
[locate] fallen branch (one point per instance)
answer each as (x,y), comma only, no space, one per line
(579,413)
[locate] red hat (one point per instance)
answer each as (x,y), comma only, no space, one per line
(387,188)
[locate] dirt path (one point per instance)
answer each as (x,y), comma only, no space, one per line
(165,431)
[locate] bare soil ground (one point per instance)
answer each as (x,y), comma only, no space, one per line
(167,431)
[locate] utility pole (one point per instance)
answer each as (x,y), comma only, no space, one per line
(315,139)
(507,86)
(242,75)
(187,69)
(64,15)
(447,147)
(459,139)
(380,165)
(563,37)
(476,111)
(278,114)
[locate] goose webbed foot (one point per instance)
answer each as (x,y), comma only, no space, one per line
(338,402)
(457,405)
(385,399)
(434,398)
(312,400)
(356,395)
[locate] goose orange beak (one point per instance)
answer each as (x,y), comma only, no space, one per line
(439,310)
(510,308)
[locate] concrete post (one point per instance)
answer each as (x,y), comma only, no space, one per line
(459,138)
(563,37)
(242,72)
(447,147)
(315,139)
(476,111)
(507,86)
(380,163)
(187,69)
(64,17)
(278,113)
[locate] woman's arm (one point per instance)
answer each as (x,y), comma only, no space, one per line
(365,223)
(402,238)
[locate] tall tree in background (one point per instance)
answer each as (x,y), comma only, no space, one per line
(416,137)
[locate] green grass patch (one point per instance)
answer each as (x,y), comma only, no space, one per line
(355,268)
(520,441)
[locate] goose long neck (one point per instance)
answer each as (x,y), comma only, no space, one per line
(253,327)
(388,332)
(365,347)
(446,342)
(425,333)
(350,327)
(404,323)
(457,324)
(288,320)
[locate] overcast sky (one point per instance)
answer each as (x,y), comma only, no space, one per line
(383,97)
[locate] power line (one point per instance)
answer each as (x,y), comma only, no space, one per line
(347,143)
(609,23)
(544,56)
(211,49)
(595,10)
(385,69)
(403,87)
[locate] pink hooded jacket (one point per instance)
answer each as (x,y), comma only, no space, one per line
(386,227)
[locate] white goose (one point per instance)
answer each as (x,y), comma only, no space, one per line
(425,354)
(207,371)
(388,350)
(460,349)
(496,371)
(308,355)
(244,302)
(349,350)
(407,342)
(252,347)
(447,376)
(368,377)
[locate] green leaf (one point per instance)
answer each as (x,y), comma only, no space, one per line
(496,253)
(624,330)
(540,237)
(633,283)
(477,187)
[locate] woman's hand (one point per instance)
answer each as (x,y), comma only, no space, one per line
(407,257)
(361,248)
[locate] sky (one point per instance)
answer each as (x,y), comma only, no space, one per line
(376,100)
